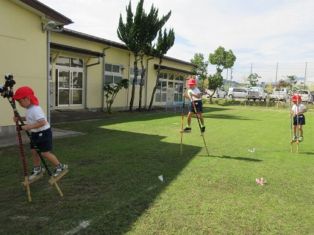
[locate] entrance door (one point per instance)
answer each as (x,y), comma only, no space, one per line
(69,88)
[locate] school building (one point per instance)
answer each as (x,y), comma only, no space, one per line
(68,69)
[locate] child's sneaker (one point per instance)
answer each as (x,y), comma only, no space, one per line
(187,129)
(59,169)
(301,138)
(294,139)
(202,129)
(35,172)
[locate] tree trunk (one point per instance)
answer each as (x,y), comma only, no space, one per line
(133,83)
(141,85)
(156,85)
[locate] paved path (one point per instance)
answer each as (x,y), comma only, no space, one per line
(57,133)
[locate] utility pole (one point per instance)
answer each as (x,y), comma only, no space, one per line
(251,68)
(276,73)
(305,75)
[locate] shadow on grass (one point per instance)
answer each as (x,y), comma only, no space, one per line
(114,178)
(308,153)
(224,116)
(235,158)
(117,117)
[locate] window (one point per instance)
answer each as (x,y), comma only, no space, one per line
(70,62)
(113,73)
(170,87)
(138,80)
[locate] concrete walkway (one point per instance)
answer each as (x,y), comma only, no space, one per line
(57,117)
(57,133)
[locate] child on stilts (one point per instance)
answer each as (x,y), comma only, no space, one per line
(38,126)
(297,113)
(195,96)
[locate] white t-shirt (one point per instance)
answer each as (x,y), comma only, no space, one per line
(33,114)
(194,91)
(296,108)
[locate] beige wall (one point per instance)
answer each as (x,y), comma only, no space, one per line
(23,47)
(117,56)
(23,53)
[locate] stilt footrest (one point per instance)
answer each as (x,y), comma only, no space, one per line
(37,177)
(53,179)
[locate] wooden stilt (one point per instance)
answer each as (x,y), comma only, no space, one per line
(58,189)
(294,146)
(34,179)
(28,190)
(53,179)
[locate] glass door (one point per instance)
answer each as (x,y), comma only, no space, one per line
(69,88)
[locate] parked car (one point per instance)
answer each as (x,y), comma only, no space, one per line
(257,93)
(312,96)
(234,92)
(279,94)
(219,93)
(305,95)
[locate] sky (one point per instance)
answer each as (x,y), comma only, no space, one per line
(273,38)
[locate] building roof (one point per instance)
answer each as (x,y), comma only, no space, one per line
(111,43)
(44,9)
(163,67)
(54,15)
(75,49)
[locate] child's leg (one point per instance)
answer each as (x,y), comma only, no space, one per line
(189,117)
(295,130)
(300,130)
(51,158)
(36,158)
(201,118)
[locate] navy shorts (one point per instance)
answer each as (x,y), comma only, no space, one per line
(42,140)
(299,120)
(198,106)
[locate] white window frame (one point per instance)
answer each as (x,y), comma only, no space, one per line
(116,76)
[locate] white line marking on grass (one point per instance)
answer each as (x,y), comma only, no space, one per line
(24,217)
(19,217)
(161,178)
(84,224)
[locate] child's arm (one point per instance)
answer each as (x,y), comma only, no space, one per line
(15,119)
(38,124)
(199,95)
(303,110)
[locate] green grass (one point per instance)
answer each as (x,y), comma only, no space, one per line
(113,180)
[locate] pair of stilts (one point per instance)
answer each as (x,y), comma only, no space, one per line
(26,183)
(199,124)
(294,134)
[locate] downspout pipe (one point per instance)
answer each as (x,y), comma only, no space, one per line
(48,26)
(103,78)
(48,78)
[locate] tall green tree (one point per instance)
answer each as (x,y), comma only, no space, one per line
(292,80)
(151,24)
(223,60)
(253,79)
(165,41)
(128,32)
(200,68)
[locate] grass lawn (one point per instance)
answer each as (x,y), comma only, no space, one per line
(113,185)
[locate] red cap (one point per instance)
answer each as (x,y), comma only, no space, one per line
(296,98)
(191,82)
(24,92)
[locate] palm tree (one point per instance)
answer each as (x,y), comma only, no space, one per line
(150,26)
(128,32)
(138,33)
(164,42)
